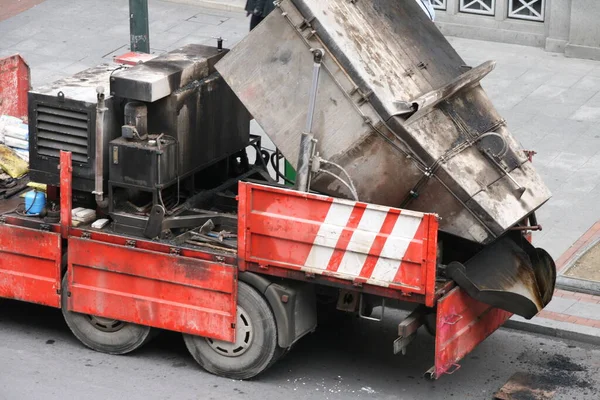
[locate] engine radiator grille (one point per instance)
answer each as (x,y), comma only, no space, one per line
(62,129)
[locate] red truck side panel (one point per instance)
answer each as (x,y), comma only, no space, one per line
(358,242)
(14,85)
(30,265)
(150,288)
(462,323)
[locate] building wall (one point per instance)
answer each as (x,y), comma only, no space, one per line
(569,26)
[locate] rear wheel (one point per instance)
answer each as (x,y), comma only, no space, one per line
(255,348)
(104,334)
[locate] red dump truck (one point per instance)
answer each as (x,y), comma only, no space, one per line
(162,211)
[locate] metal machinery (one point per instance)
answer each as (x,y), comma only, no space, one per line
(410,190)
(142,145)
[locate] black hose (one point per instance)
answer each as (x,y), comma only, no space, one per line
(276,168)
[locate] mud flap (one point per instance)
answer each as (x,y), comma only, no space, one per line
(515,277)
(461,324)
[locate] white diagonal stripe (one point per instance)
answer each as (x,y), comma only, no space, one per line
(361,241)
(395,248)
(328,235)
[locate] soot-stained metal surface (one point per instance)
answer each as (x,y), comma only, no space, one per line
(397,108)
(161,76)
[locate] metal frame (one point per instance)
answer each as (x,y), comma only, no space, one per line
(440,4)
(464,5)
(515,6)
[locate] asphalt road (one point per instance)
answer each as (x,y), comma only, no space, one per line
(41,359)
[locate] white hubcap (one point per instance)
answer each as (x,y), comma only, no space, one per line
(243,337)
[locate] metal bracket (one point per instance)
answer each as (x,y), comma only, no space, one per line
(45,227)
(455,367)
(86,235)
(363,97)
(130,243)
(2,219)
(401,344)
(407,329)
(348,300)
(305,24)
(361,308)
(175,251)
(307,144)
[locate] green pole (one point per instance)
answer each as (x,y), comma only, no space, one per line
(139,31)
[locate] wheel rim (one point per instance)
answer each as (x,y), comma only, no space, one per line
(105,324)
(243,337)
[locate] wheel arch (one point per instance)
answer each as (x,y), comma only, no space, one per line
(293,304)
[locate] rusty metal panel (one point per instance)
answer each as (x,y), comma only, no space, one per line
(30,265)
(165,291)
(15,82)
(354,241)
(461,324)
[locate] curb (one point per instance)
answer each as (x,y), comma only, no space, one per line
(552,332)
(232,6)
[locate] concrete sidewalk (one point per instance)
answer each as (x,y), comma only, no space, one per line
(551,103)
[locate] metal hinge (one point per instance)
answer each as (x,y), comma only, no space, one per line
(363,96)
(305,24)
(175,251)
(130,243)
(86,235)
(2,219)
(45,227)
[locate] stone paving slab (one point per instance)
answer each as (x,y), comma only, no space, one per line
(569,315)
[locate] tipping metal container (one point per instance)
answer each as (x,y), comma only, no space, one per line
(397,108)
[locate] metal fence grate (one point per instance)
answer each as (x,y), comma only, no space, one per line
(484,7)
(532,10)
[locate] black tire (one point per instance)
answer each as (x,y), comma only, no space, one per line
(430,323)
(104,335)
(256,346)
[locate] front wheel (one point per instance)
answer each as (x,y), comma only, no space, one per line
(255,347)
(103,334)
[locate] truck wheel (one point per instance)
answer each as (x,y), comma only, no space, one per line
(255,348)
(103,334)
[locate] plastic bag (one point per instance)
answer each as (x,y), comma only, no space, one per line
(11,163)
(5,122)
(24,154)
(20,131)
(16,143)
